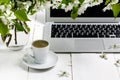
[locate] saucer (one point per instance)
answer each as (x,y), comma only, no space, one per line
(50,62)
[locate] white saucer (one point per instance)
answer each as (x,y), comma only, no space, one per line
(50,62)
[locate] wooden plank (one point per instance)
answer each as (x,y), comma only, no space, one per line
(92,67)
(117,59)
(11,67)
(63,64)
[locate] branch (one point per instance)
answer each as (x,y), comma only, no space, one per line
(10,36)
(15,35)
(23,26)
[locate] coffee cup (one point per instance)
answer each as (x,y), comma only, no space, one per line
(40,50)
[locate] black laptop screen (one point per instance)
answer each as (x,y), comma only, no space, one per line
(96,11)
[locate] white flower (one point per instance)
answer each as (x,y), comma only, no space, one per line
(82,9)
(4,20)
(27,4)
(96,3)
(56,1)
(76,2)
(109,6)
(2,8)
(88,3)
(47,4)
(7,16)
(63,6)
(44,5)
(56,4)
(69,7)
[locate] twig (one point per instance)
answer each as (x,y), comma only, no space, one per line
(15,5)
(10,36)
(25,26)
(15,32)
(4,38)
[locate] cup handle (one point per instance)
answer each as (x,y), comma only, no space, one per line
(29,51)
(28,57)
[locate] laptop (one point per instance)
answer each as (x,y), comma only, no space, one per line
(93,31)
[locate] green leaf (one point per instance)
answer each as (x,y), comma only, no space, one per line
(32,12)
(74,12)
(81,1)
(116,9)
(21,15)
(1,12)
(107,2)
(31,8)
(59,7)
(64,2)
(67,1)
(4,1)
(74,15)
(19,27)
(28,29)
(3,29)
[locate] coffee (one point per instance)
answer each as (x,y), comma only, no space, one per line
(40,43)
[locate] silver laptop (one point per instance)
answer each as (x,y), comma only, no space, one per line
(93,31)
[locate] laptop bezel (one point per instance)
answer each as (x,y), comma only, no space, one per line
(79,19)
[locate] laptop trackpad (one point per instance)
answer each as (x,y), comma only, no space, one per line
(89,44)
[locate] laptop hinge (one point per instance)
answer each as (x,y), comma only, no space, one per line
(86,22)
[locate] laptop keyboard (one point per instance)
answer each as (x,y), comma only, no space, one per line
(85,31)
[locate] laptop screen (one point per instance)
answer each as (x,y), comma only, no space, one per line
(96,11)
(92,14)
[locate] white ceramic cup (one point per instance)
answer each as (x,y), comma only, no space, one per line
(40,50)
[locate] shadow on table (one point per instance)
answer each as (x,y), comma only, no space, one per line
(39,70)
(33,70)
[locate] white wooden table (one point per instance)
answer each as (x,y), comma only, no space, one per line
(79,66)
